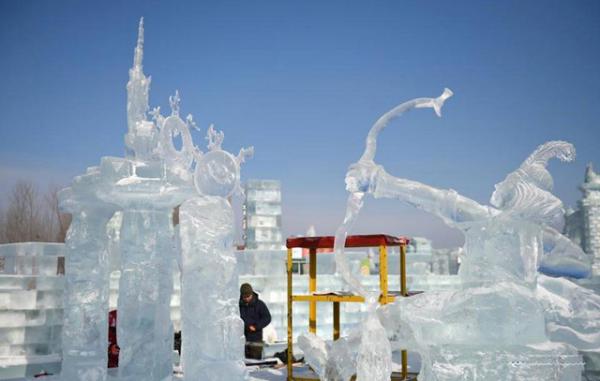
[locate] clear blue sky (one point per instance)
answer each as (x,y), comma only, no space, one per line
(303,81)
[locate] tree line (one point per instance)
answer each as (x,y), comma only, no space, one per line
(32,216)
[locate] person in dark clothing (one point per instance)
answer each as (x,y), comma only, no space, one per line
(113,347)
(256,316)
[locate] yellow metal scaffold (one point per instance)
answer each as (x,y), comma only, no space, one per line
(313,244)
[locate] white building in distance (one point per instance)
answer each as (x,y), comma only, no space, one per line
(262,215)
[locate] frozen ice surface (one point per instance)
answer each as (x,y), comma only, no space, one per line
(30,308)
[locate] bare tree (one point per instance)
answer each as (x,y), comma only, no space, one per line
(21,216)
(3,238)
(59,221)
(29,217)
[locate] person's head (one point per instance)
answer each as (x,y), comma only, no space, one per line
(246,292)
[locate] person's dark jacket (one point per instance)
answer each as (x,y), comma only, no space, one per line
(254,313)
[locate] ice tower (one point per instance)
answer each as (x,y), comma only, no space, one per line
(141,137)
(583,225)
(145,187)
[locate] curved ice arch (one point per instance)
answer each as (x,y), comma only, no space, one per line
(177,161)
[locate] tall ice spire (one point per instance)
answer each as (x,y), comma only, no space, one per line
(141,137)
(138,56)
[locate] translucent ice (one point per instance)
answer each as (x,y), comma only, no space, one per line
(497,309)
(331,360)
(374,354)
(496,313)
(572,312)
(213,348)
(145,187)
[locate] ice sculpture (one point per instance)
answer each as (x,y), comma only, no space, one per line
(213,344)
(373,358)
(494,327)
(145,187)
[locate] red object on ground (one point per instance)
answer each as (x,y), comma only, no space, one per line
(326,242)
(113,347)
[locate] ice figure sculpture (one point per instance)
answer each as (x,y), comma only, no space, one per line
(145,187)
(372,359)
(494,327)
(213,344)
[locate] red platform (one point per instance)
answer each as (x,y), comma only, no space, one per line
(326,242)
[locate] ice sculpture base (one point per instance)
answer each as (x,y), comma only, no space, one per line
(592,366)
(547,361)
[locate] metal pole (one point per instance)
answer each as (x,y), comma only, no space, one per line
(383,274)
(312,287)
(290,355)
(403,290)
(336,320)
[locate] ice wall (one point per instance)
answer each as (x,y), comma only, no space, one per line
(31,308)
(262,215)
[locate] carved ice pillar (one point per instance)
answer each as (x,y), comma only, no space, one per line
(212,330)
(144,326)
(85,327)
(590,206)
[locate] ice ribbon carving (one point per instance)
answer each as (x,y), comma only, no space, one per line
(525,193)
(355,199)
(178,161)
